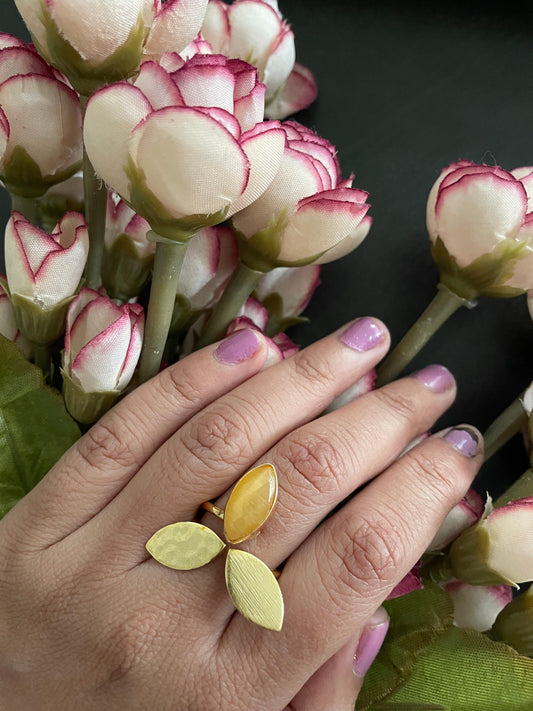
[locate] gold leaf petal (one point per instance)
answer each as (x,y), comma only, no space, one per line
(254,589)
(250,503)
(185,545)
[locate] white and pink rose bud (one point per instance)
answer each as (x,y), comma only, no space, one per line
(307,214)
(498,548)
(364,385)
(101,42)
(8,322)
(40,122)
(185,149)
(44,271)
(255,31)
(102,346)
(477,606)
(481,227)
(408,583)
(128,254)
(286,292)
(465,514)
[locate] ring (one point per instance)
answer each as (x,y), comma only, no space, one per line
(187,545)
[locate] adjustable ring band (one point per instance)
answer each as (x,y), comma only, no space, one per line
(187,545)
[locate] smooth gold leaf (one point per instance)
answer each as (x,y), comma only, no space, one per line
(185,545)
(250,503)
(254,590)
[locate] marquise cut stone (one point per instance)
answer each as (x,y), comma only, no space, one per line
(250,503)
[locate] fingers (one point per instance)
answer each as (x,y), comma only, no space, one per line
(336,684)
(347,567)
(92,472)
(208,454)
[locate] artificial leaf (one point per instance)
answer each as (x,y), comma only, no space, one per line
(250,503)
(185,545)
(35,428)
(254,589)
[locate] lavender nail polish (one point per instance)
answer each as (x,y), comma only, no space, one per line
(238,347)
(363,334)
(464,440)
(435,377)
(370,642)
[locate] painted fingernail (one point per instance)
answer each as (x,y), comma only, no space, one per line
(363,334)
(464,440)
(238,347)
(435,377)
(370,641)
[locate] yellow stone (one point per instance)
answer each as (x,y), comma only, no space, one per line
(250,503)
(254,590)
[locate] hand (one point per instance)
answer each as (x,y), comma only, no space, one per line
(88,620)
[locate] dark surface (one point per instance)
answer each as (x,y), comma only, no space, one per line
(405,89)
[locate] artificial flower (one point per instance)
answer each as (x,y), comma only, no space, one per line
(463,515)
(477,606)
(8,322)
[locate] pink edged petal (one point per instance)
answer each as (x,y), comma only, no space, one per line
(298,92)
(280,63)
(96,315)
(477,606)
(286,346)
(7,40)
(252,312)
(407,584)
(295,285)
(522,275)
(472,169)
(76,307)
(191,162)
(198,46)
(176,24)
(255,27)
(525,176)
(510,552)
(200,263)
(245,77)
(111,115)
(340,195)
(227,262)
(319,226)
(158,86)
(45,118)
(264,152)
(18,267)
(21,60)
(478,211)
(325,162)
(215,27)
(466,513)
(432,197)
(136,314)
(224,118)
(347,245)
(4,133)
(249,109)
(364,385)
(205,84)
(171,61)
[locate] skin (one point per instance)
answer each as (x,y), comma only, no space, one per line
(88,621)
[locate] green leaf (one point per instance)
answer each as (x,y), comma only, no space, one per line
(417,620)
(35,428)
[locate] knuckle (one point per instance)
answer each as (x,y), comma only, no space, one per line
(105,444)
(312,372)
(177,381)
(439,474)
(396,399)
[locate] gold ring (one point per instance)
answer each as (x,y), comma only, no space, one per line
(187,545)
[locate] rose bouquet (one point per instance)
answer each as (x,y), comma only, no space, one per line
(202,210)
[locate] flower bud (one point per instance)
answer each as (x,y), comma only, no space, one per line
(62,198)
(44,272)
(514,624)
(463,515)
(102,346)
(477,606)
(497,549)
(407,584)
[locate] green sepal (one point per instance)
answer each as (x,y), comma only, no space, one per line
(514,624)
(39,325)
(35,428)
(84,407)
(485,276)
(468,555)
(52,209)
(183,315)
(145,203)
(85,77)
(22,176)
(124,271)
(277,323)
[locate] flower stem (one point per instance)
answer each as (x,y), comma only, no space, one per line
(444,304)
(95,213)
(42,358)
(28,207)
(167,266)
(239,288)
(521,489)
(508,423)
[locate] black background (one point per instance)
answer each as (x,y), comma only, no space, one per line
(405,89)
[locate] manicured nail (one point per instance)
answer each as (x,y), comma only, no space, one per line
(370,641)
(363,334)
(435,377)
(238,347)
(464,440)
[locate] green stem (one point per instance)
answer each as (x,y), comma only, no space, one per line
(95,213)
(521,489)
(508,423)
(439,310)
(167,266)
(42,358)
(239,288)
(29,207)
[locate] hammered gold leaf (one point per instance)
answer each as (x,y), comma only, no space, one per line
(185,545)
(254,589)
(250,503)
